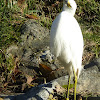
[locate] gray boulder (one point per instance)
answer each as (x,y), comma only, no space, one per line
(88,85)
(89,81)
(34,49)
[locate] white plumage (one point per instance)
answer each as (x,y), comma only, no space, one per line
(66,40)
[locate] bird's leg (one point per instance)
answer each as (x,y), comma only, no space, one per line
(75,83)
(75,87)
(69,78)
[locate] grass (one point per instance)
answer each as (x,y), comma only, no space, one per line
(88,17)
(9,33)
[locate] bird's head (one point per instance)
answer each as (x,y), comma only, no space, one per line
(69,6)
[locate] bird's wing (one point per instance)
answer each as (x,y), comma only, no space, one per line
(65,33)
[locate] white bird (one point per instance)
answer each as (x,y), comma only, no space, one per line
(66,41)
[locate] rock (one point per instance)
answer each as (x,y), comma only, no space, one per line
(89,81)
(34,36)
(41,92)
(34,49)
(34,40)
(12,50)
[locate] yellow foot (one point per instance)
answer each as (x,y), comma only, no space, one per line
(67,98)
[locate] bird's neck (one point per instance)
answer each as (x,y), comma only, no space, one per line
(69,10)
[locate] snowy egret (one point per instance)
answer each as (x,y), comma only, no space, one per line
(66,41)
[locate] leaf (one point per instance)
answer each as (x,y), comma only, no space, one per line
(32,17)
(20,2)
(47,72)
(45,69)
(55,4)
(23,86)
(5,84)
(13,78)
(29,79)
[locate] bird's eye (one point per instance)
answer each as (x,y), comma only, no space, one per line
(67,3)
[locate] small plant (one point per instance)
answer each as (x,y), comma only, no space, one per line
(7,63)
(10,63)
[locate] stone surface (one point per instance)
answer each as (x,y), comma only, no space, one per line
(89,81)
(34,49)
(41,92)
(34,40)
(88,84)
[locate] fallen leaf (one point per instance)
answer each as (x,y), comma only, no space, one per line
(45,68)
(5,84)
(23,86)
(32,17)
(13,78)
(29,79)
(47,72)
(21,2)
(55,4)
